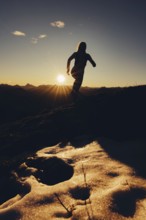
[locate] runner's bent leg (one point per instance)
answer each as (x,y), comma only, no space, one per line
(77,83)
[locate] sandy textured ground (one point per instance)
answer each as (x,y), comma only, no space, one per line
(77,180)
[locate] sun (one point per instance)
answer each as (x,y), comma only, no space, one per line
(60,79)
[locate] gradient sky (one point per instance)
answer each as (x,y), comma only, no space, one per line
(38,36)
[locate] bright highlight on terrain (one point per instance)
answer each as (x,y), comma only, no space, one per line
(61,79)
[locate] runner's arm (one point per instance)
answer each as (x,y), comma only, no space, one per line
(91,61)
(69,61)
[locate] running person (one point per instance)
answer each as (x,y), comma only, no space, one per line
(77,72)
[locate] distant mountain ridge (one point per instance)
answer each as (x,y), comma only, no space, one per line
(41,118)
(18,102)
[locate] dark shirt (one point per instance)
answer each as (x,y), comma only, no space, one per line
(80,60)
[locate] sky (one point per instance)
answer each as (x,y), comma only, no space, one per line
(38,36)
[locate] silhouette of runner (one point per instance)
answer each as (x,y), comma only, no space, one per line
(77,72)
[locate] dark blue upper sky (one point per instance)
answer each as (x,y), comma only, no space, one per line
(34,47)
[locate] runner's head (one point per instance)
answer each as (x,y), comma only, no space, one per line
(82,47)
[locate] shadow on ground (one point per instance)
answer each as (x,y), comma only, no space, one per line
(132,153)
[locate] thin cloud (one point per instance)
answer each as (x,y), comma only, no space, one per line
(59,24)
(41,36)
(19,33)
(34,40)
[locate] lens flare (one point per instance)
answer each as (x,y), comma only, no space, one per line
(60,79)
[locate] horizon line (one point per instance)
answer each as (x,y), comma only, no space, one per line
(92,87)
